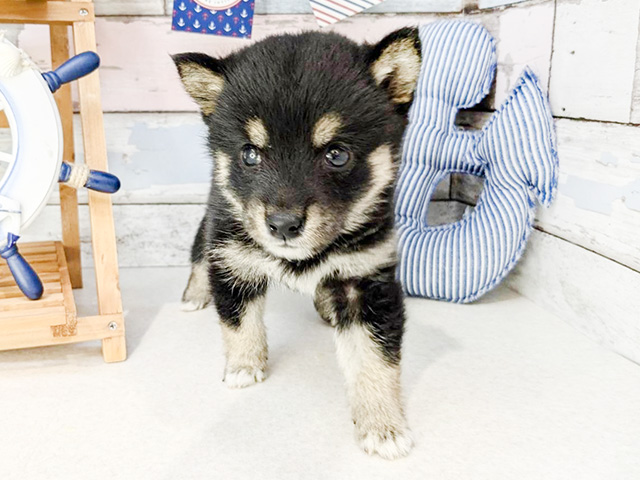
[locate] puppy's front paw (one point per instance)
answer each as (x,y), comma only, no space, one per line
(388,442)
(243,377)
(197,295)
(193,305)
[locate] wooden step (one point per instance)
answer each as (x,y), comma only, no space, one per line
(54,312)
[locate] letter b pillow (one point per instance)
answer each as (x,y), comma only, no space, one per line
(515,153)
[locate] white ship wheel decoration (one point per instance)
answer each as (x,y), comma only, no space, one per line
(30,170)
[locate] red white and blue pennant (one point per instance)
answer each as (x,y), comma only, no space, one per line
(328,12)
(231,18)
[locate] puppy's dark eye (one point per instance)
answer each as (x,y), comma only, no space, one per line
(251,155)
(337,156)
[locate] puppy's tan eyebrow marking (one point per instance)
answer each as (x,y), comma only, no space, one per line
(257,132)
(325,129)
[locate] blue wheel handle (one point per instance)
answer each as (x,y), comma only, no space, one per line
(103,182)
(98,181)
(74,68)
(26,278)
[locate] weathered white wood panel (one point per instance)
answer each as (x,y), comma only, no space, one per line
(161,234)
(592,293)
(144,78)
(466,188)
(441,212)
(161,158)
(388,6)
(594,54)
(129,7)
(147,235)
(598,200)
(524,37)
(497,3)
(635,108)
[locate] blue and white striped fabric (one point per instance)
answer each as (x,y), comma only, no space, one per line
(515,152)
(328,12)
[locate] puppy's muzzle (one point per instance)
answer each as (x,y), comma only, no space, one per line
(285,226)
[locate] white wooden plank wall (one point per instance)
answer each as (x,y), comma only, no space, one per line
(161,235)
(144,79)
(635,107)
(161,158)
(583,261)
(130,7)
(594,57)
(596,295)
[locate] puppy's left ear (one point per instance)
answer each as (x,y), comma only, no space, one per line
(395,64)
(203,78)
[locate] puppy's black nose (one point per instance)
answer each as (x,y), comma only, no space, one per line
(285,225)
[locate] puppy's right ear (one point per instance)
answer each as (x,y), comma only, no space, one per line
(203,78)
(395,64)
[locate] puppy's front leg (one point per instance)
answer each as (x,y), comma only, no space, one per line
(240,306)
(197,295)
(368,339)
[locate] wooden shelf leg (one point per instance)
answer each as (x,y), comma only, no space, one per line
(114,349)
(68,196)
(103,235)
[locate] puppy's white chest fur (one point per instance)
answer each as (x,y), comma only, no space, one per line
(253,265)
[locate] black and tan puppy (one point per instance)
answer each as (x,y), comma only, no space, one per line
(305,134)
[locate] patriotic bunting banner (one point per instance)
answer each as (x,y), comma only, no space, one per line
(328,12)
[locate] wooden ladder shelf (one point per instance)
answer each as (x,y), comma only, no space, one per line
(53,319)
